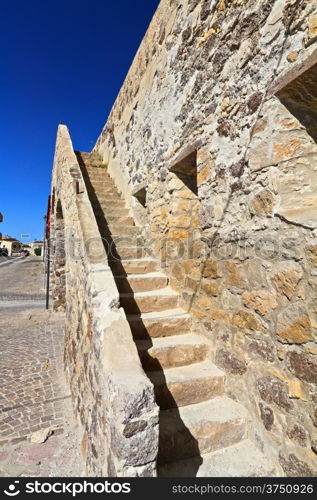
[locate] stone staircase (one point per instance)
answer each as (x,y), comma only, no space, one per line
(202,432)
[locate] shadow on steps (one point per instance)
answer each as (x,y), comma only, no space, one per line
(176,442)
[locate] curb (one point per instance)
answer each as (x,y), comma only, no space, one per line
(8,262)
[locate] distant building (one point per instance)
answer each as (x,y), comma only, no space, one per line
(35,244)
(11,244)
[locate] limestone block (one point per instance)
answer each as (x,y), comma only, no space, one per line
(273,390)
(262,203)
(297,188)
(247,321)
(303,365)
(261,301)
(293,325)
(210,269)
(286,278)
(311,34)
(230,362)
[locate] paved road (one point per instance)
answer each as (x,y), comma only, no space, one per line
(33,392)
(7,260)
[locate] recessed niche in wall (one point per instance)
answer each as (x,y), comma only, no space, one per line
(186,171)
(59,210)
(140,194)
(300,98)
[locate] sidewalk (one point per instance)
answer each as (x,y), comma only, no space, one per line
(34,397)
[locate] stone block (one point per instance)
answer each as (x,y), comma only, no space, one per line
(247,321)
(303,366)
(286,278)
(273,390)
(262,204)
(230,362)
(311,34)
(210,269)
(267,416)
(261,301)
(293,325)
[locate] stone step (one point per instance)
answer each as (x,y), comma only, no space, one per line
(243,459)
(141,282)
(124,230)
(116,220)
(102,189)
(102,184)
(112,204)
(110,210)
(135,266)
(142,302)
(201,428)
(173,351)
(187,385)
(93,164)
(95,168)
(162,324)
(93,155)
(105,189)
(108,197)
(96,172)
(123,240)
(126,252)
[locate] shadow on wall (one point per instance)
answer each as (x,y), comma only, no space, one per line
(300,98)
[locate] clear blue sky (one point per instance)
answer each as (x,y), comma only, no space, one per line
(59,60)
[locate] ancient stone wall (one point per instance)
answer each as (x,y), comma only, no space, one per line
(215,124)
(113,398)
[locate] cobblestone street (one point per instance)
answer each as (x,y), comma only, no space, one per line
(33,395)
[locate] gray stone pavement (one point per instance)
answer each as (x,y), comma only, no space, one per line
(33,393)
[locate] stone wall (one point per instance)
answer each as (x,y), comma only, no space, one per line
(113,398)
(216,121)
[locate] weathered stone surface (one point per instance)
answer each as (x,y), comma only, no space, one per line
(304,366)
(287,279)
(262,203)
(294,467)
(312,29)
(262,301)
(298,199)
(312,254)
(228,162)
(298,390)
(233,275)
(292,56)
(267,416)
(246,320)
(263,349)
(210,287)
(41,435)
(297,433)
(118,412)
(294,326)
(211,269)
(230,362)
(273,390)
(314,415)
